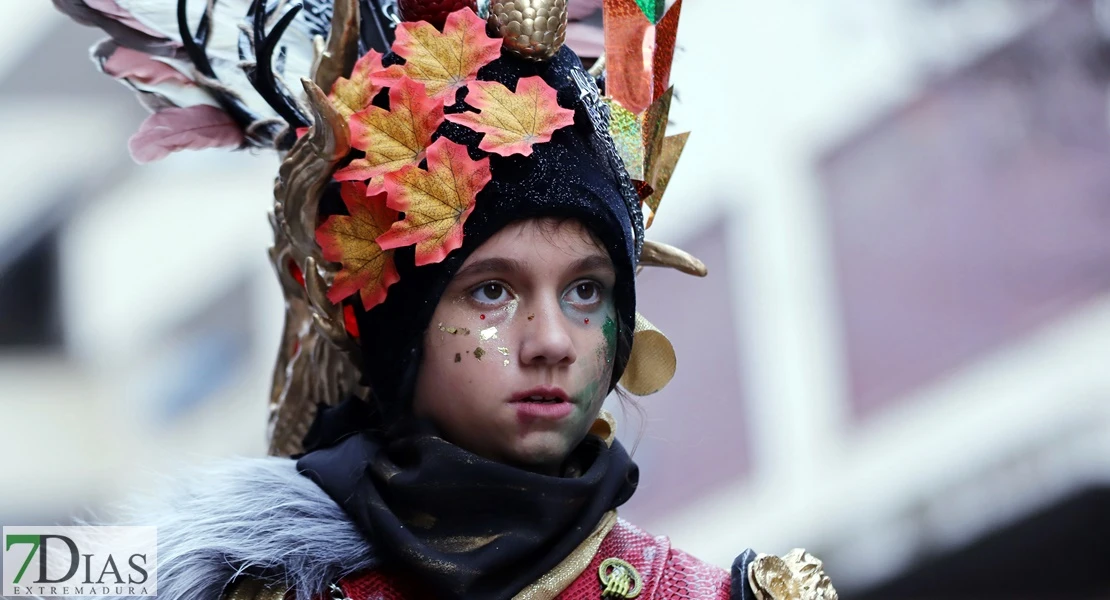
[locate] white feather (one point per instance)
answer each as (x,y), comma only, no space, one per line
(222,48)
(177,93)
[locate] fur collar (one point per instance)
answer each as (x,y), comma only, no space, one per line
(249,515)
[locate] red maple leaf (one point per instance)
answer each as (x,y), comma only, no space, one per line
(350,95)
(350,240)
(445,61)
(436,202)
(396,137)
(513,121)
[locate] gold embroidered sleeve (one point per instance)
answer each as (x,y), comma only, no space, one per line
(250,588)
(796,576)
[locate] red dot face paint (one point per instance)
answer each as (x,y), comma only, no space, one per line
(587,321)
(483,317)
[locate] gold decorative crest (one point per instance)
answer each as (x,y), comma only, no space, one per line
(796,576)
(621,580)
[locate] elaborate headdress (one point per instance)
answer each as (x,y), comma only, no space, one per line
(409,133)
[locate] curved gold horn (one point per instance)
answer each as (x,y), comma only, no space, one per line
(533,29)
(307,169)
(658,254)
(337,58)
(317,361)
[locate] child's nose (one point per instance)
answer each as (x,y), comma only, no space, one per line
(547,338)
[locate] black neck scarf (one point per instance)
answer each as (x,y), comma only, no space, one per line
(464,526)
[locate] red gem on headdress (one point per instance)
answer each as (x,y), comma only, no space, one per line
(432,11)
(295,271)
(349,320)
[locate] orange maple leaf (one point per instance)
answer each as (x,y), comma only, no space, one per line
(445,61)
(513,121)
(436,202)
(396,137)
(350,240)
(354,94)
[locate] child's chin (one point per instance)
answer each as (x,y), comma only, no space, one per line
(542,450)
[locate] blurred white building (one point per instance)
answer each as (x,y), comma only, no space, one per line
(899,359)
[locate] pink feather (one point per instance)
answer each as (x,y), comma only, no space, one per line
(191,128)
(125,63)
(111,9)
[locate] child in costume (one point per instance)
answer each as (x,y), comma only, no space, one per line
(459,219)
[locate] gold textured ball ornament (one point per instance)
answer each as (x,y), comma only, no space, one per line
(533,29)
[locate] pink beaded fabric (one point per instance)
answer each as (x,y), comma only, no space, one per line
(667,573)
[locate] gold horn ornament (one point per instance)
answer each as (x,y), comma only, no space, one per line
(336,57)
(317,361)
(658,254)
(533,29)
(652,362)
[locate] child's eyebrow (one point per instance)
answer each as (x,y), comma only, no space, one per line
(512,265)
(490,265)
(593,262)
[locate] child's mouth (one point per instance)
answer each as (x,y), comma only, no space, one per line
(542,400)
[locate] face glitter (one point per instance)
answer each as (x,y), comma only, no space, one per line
(506,362)
(530,317)
(458,357)
(587,321)
(483,317)
(503,350)
(487,334)
(478,353)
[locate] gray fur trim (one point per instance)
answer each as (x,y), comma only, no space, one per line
(255,516)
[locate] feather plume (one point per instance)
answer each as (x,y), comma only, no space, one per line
(199,56)
(254,516)
(173,129)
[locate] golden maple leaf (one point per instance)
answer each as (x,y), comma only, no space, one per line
(350,95)
(350,240)
(445,61)
(513,121)
(393,138)
(436,202)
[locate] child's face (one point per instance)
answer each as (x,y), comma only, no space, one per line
(530,312)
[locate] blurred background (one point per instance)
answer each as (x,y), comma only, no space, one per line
(900,359)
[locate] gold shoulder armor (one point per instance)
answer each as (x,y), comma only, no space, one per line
(798,575)
(250,588)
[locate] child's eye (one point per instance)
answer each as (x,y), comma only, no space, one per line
(490,293)
(584,294)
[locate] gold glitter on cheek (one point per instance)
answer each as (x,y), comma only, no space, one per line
(454,330)
(506,362)
(530,317)
(478,353)
(503,350)
(487,334)
(458,357)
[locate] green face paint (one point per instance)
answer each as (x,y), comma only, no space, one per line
(605,354)
(609,330)
(586,395)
